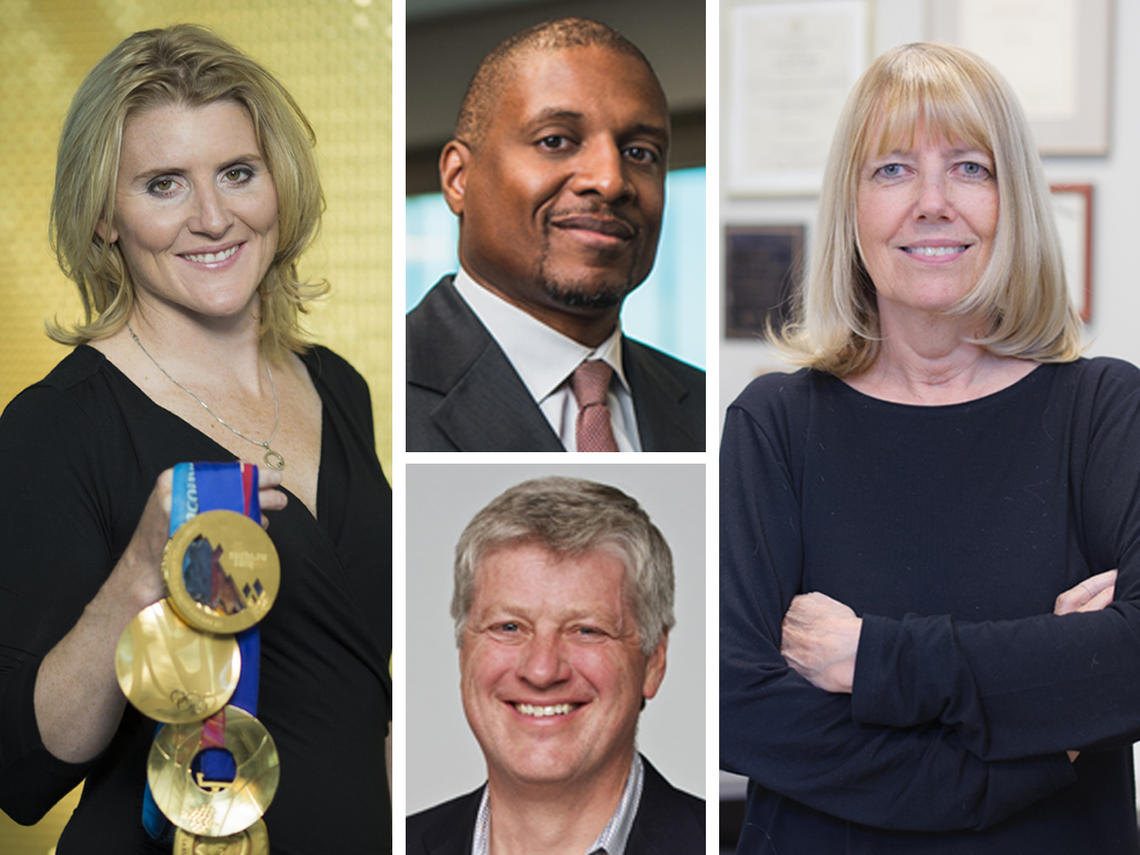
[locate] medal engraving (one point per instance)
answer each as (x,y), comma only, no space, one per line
(226,808)
(253,841)
(221,572)
(170,671)
(204,783)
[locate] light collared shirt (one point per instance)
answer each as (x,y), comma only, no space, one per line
(544,359)
(614,836)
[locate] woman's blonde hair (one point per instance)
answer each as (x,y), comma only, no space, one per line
(185,65)
(1022,294)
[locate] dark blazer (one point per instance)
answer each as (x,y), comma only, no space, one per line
(464,395)
(668,822)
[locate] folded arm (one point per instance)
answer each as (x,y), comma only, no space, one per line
(821,635)
(1023,686)
(795,739)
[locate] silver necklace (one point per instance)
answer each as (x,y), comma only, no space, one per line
(273,459)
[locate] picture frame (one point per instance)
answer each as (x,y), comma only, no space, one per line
(762,265)
(788,67)
(1056,54)
(1073,212)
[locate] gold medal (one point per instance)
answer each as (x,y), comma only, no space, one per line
(214,808)
(172,672)
(253,841)
(221,571)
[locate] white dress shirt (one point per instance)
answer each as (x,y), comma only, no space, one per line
(545,358)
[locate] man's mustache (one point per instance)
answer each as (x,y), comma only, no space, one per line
(593,219)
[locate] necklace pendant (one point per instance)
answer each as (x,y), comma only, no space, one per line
(273,459)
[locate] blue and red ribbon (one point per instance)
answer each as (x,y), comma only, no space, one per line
(197,488)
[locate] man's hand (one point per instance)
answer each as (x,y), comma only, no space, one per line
(820,637)
(1091,595)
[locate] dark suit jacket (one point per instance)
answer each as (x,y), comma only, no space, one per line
(668,822)
(464,395)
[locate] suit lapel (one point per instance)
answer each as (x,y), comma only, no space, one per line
(453,833)
(655,827)
(485,405)
(657,397)
(489,409)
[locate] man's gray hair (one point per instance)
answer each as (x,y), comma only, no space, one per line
(571,516)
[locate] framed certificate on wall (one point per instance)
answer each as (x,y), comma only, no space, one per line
(1072,209)
(1055,53)
(789,68)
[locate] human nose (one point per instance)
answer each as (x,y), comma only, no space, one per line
(211,215)
(933,201)
(602,170)
(544,661)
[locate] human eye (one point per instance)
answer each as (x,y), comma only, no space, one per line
(642,154)
(237,174)
(973,169)
(505,630)
(589,633)
(554,142)
(162,186)
(889,170)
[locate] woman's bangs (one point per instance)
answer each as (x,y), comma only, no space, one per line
(941,109)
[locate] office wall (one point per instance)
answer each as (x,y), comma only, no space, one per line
(1114,328)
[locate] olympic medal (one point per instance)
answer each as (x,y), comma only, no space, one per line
(253,841)
(172,672)
(214,808)
(221,570)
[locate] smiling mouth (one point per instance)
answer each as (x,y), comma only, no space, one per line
(536,711)
(211,257)
(609,226)
(934,251)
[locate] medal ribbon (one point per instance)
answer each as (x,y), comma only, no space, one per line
(197,488)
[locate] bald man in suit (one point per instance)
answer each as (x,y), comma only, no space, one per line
(557,176)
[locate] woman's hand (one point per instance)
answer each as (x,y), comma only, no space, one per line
(139,569)
(1090,595)
(820,637)
(78,703)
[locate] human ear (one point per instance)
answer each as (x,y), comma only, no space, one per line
(108,234)
(655,668)
(453,164)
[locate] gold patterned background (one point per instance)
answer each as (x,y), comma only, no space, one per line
(334,56)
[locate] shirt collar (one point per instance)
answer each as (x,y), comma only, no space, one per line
(614,836)
(543,357)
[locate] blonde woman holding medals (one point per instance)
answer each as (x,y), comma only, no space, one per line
(186,189)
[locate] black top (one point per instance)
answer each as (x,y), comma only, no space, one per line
(668,822)
(950,530)
(79,454)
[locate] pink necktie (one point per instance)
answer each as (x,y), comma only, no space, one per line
(590,382)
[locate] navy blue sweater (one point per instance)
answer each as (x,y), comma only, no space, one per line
(950,530)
